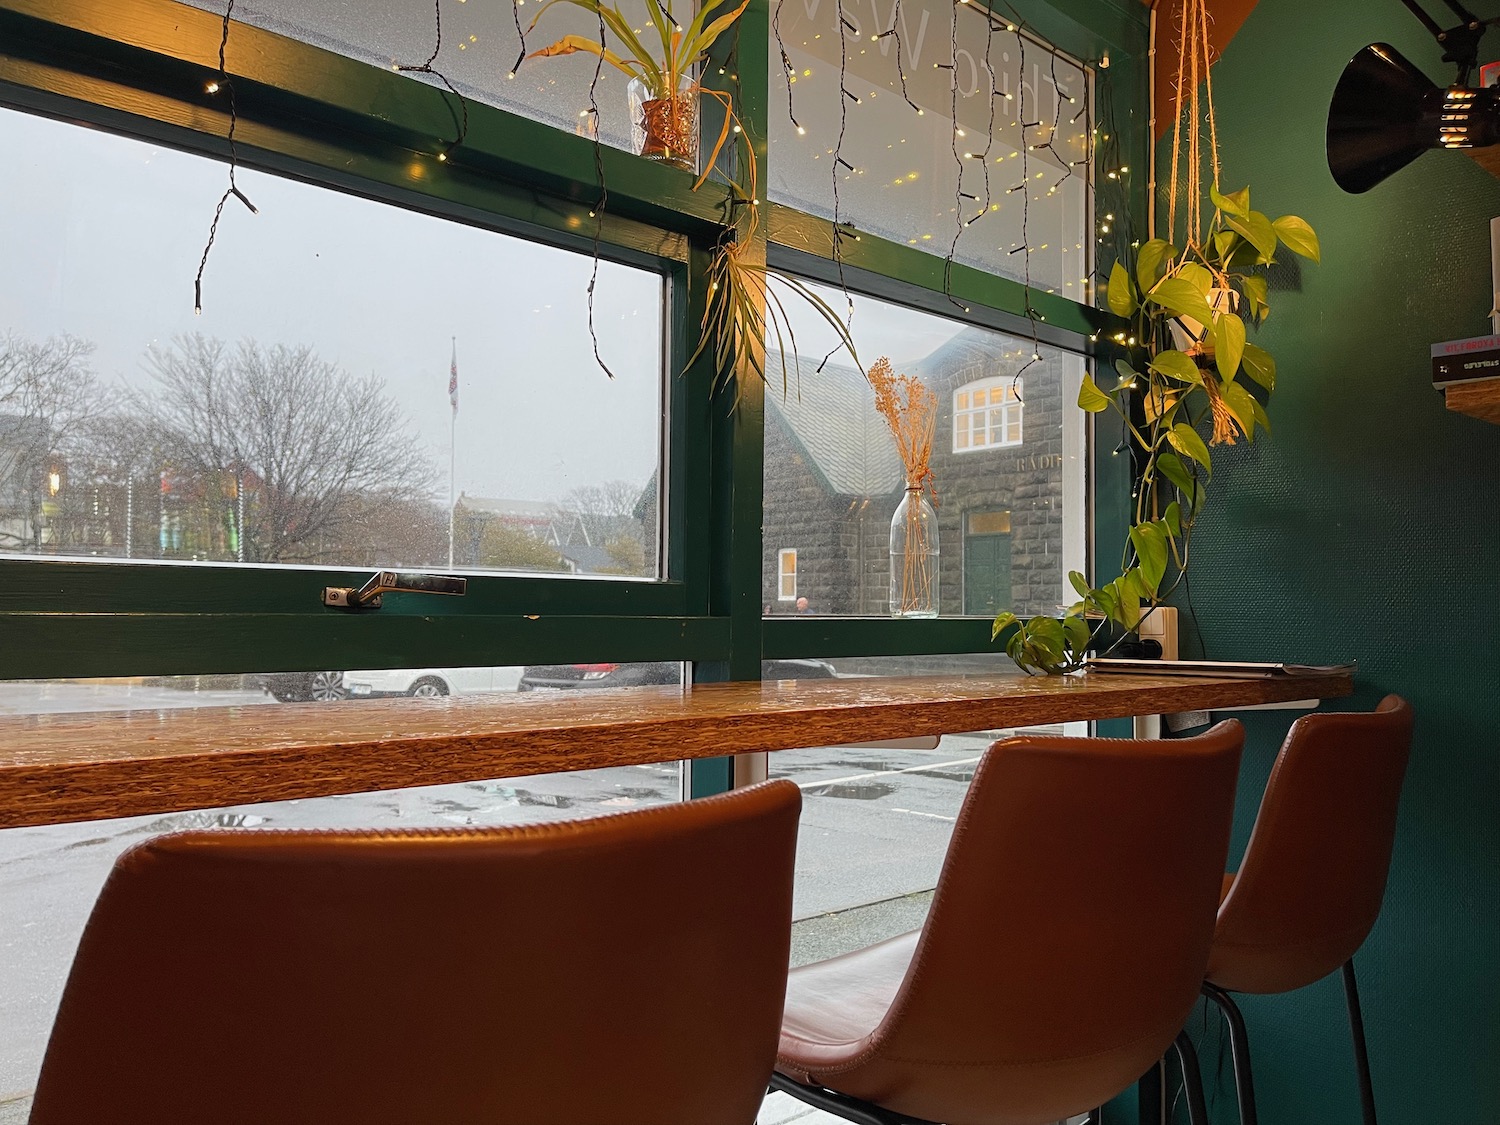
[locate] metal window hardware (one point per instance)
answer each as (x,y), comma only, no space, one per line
(368,596)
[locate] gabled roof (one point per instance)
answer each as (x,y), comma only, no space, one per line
(831,415)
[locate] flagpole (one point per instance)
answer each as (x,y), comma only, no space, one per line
(452,444)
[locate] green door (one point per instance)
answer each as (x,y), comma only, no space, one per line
(987,563)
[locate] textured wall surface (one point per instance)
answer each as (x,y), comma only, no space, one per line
(1369,528)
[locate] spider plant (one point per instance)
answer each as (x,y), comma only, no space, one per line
(743,311)
(663,75)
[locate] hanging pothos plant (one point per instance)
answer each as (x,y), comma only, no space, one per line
(1189,370)
(743,312)
(1192,369)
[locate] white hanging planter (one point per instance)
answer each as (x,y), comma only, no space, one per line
(1195,339)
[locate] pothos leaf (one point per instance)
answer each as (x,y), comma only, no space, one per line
(1176,365)
(1003,621)
(1257,230)
(1255,293)
(1187,441)
(1121,298)
(1149,260)
(1079,582)
(1242,405)
(1298,237)
(1260,365)
(1091,398)
(1172,517)
(1181,297)
(1151,549)
(1236,203)
(1229,343)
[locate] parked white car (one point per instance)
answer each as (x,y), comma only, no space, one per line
(429,682)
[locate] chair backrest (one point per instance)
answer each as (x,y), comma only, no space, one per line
(1310,885)
(627,969)
(1067,938)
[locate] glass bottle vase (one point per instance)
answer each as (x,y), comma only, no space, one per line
(914,557)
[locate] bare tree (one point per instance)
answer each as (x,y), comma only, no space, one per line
(605,511)
(294,445)
(50,401)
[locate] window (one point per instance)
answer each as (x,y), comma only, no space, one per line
(134,548)
(987,414)
(479,51)
(306,415)
(833,477)
(898,173)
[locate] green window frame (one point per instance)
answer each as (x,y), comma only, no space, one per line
(140,67)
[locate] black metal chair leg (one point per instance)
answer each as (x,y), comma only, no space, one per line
(1239,1044)
(1357,1032)
(1150,1102)
(1192,1080)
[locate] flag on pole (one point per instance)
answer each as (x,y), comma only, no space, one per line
(453,377)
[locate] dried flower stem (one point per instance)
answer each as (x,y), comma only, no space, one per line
(910,410)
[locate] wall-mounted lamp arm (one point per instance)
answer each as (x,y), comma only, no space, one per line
(382,582)
(1460,44)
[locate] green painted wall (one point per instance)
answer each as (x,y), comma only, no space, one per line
(1368,528)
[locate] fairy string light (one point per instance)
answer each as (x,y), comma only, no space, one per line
(597,214)
(223,84)
(953,134)
(515,9)
(835,171)
(428,68)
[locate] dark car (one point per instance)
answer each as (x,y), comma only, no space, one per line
(555,677)
(302,687)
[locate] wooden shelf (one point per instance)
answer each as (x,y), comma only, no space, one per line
(73,767)
(1479,398)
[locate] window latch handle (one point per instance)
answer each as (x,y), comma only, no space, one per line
(368,596)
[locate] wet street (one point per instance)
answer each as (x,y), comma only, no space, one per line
(874,827)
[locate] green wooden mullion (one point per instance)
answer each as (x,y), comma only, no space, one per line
(914,278)
(46,646)
(828,637)
(63,587)
(171,50)
(383,173)
(1084,29)
(747,475)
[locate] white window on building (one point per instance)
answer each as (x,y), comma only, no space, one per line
(987,414)
(786,570)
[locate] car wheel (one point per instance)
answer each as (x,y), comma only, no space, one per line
(428,688)
(326,687)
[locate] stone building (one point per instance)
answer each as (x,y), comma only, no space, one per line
(833,480)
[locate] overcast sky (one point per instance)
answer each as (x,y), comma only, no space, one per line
(102,236)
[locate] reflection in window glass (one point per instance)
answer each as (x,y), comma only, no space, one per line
(876,821)
(479,51)
(50,875)
(922,180)
(356,367)
(833,477)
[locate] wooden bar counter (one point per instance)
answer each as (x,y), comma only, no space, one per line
(74,767)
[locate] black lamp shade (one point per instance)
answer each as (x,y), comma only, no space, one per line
(1382,118)
(1386,113)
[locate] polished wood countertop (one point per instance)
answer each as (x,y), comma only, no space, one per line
(57,768)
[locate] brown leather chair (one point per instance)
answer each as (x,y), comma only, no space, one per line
(626,969)
(1064,948)
(1309,887)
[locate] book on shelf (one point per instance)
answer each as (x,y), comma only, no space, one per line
(1459,361)
(1230,669)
